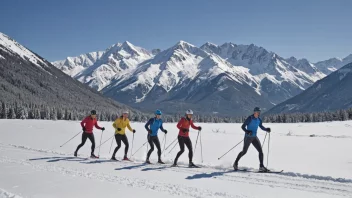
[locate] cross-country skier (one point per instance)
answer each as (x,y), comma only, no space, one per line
(120,125)
(87,128)
(183,137)
(153,126)
(250,127)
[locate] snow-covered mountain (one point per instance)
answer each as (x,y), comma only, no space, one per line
(331,93)
(29,80)
(189,76)
(74,65)
(280,79)
(333,64)
(185,76)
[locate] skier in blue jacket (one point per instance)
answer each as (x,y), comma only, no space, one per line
(153,126)
(250,127)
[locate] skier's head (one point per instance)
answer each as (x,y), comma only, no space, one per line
(189,113)
(256,112)
(125,114)
(93,113)
(158,114)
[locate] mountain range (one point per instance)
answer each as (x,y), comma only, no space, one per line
(26,78)
(229,79)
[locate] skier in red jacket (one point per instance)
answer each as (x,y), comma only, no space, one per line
(183,136)
(87,128)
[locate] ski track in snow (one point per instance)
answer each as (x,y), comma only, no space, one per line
(290,180)
(5,194)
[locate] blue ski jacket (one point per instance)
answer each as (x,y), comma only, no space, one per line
(252,124)
(154,124)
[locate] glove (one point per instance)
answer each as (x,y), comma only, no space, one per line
(248,132)
(84,129)
(103,129)
(185,130)
(268,130)
(199,128)
(149,131)
(118,129)
(134,131)
(165,131)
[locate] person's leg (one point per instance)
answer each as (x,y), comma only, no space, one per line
(91,138)
(157,144)
(188,143)
(150,141)
(84,139)
(125,141)
(118,141)
(258,146)
(247,143)
(182,148)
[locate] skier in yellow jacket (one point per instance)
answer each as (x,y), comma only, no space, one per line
(120,125)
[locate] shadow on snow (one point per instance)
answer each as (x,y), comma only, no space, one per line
(208,175)
(56,159)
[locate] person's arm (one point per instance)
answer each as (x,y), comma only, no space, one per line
(179,124)
(83,122)
(129,126)
(246,123)
(262,127)
(146,126)
(97,126)
(161,126)
(193,126)
(114,124)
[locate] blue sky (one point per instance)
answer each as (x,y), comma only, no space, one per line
(314,29)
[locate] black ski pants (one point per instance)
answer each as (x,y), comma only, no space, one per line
(119,138)
(182,141)
(84,139)
(153,140)
(256,143)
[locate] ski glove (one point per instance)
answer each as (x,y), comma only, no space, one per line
(84,129)
(268,130)
(118,129)
(134,131)
(199,128)
(185,130)
(248,132)
(149,131)
(165,131)
(103,129)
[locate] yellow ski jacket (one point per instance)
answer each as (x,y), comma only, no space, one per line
(121,123)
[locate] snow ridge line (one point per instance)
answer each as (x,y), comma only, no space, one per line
(172,189)
(289,174)
(5,194)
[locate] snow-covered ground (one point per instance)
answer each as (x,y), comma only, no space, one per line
(316,158)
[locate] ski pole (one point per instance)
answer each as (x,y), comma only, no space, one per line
(139,148)
(264,139)
(132,144)
(201,146)
(173,147)
(170,144)
(71,139)
(230,149)
(267,159)
(196,144)
(112,140)
(164,144)
(105,141)
(101,137)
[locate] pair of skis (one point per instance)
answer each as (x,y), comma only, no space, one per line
(253,171)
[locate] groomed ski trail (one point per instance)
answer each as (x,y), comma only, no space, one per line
(323,185)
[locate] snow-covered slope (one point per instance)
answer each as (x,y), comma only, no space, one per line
(333,64)
(74,65)
(117,60)
(32,163)
(330,93)
(8,45)
(186,74)
(280,79)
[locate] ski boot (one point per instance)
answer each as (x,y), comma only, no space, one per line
(160,162)
(126,158)
(191,165)
(148,161)
(75,154)
(263,169)
(93,156)
(235,166)
(114,158)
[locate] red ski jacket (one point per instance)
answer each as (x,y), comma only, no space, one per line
(184,123)
(88,123)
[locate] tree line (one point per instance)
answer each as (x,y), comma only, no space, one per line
(20,110)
